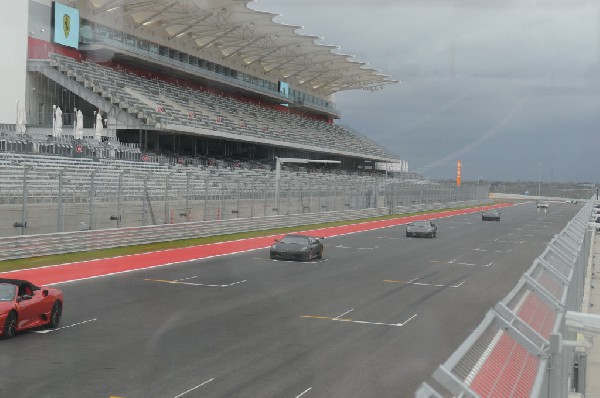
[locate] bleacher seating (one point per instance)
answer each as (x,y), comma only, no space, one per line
(169,106)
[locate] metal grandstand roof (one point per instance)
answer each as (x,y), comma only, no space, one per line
(238,35)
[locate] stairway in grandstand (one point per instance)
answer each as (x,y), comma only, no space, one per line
(188,110)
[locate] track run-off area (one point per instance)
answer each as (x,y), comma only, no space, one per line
(373,318)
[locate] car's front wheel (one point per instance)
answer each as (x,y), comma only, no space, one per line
(55,315)
(10,325)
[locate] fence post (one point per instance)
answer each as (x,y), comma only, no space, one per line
(166,219)
(187,196)
(120,200)
(266,199)
(25,203)
(60,214)
(252,185)
(237,202)
(288,197)
(206,180)
(92,190)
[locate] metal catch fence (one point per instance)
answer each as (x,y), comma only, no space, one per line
(66,197)
(522,348)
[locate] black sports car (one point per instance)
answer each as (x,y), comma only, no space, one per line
(490,215)
(296,247)
(421,228)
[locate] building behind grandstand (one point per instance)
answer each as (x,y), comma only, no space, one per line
(209,81)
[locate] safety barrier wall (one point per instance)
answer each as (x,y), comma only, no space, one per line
(25,246)
(521,347)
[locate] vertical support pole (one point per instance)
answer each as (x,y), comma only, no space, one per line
(206,180)
(277,181)
(25,204)
(288,198)
(309,197)
(91,200)
(166,219)
(60,216)
(120,200)
(266,199)
(252,198)
(319,202)
(187,197)
(222,212)
(237,202)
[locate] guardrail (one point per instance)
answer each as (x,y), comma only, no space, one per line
(522,347)
(25,246)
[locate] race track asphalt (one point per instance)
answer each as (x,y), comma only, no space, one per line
(374,318)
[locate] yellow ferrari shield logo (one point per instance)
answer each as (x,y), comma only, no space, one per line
(67,25)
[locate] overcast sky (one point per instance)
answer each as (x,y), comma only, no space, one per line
(511,88)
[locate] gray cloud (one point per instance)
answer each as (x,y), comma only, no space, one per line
(464,65)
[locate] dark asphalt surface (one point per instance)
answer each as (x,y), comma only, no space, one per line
(246,326)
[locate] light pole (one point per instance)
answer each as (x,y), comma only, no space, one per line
(540,179)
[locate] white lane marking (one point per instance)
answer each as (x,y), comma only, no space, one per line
(185,279)
(377,323)
(520,235)
(192,389)
(411,282)
(434,285)
(361,322)
(523,203)
(63,327)
(530,230)
(454,261)
(357,248)
(341,315)
(178,282)
(478,249)
(508,241)
(387,237)
(304,392)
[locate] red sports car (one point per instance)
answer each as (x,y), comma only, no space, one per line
(24,305)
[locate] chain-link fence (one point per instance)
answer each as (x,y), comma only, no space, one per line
(54,198)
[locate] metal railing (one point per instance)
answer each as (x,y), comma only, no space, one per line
(521,347)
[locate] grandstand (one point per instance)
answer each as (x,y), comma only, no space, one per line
(197,83)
